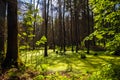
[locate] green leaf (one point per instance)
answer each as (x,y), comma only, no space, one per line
(42,40)
(99,36)
(24,33)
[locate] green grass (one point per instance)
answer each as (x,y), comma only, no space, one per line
(70,63)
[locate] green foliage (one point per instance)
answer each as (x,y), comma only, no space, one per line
(52,76)
(83,55)
(31,19)
(24,34)
(24,47)
(42,40)
(117,51)
(69,67)
(107,72)
(114,42)
(106,19)
(31,16)
(95,54)
(39,77)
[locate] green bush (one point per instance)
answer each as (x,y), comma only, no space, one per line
(52,76)
(95,54)
(107,72)
(39,77)
(83,55)
(117,51)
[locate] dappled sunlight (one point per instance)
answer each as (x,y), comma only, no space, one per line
(70,62)
(59,39)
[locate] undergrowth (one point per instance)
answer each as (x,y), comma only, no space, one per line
(72,66)
(107,72)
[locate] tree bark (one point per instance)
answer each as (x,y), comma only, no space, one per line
(71,12)
(76,24)
(52,25)
(64,32)
(34,25)
(2,28)
(88,42)
(46,25)
(60,25)
(12,39)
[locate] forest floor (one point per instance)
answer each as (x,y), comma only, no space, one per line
(60,66)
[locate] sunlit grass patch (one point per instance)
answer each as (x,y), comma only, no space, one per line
(70,63)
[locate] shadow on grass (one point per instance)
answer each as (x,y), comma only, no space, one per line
(54,61)
(110,59)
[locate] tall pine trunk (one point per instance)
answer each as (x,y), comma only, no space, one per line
(88,42)
(52,25)
(60,24)
(12,39)
(64,31)
(2,27)
(76,24)
(46,25)
(71,30)
(34,23)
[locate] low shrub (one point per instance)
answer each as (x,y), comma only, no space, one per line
(95,54)
(52,76)
(83,55)
(107,72)
(117,51)
(98,48)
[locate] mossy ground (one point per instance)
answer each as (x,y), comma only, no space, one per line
(68,63)
(68,66)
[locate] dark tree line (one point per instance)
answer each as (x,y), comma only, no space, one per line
(66,23)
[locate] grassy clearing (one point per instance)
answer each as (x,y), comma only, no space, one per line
(69,64)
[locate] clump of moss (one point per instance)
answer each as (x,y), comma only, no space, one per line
(83,55)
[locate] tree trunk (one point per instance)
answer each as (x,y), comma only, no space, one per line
(46,25)
(60,25)
(34,24)
(12,39)
(71,12)
(88,42)
(64,35)
(2,27)
(52,25)
(76,25)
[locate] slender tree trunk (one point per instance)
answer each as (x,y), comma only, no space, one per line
(2,28)
(12,39)
(53,38)
(71,12)
(34,25)
(88,42)
(64,41)
(76,25)
(45,51)
(94,42)
(46,25)
(60,25)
